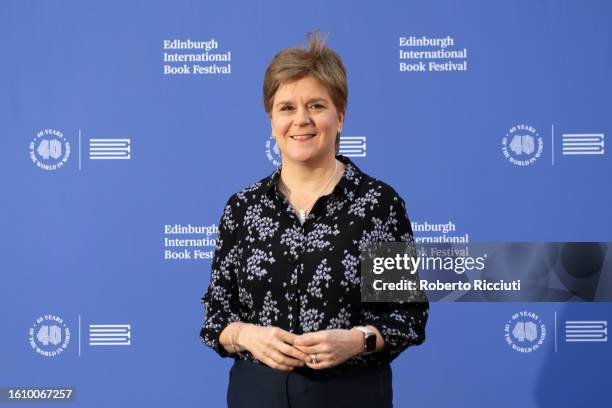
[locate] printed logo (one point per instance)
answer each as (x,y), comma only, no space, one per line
(110,334)
(109,149)
(272,151)
(49,336)
(522,145)
(583,143)
(353,146)
(49,150)
(525,332)
(586,331)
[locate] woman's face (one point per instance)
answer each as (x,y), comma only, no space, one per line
(305,121)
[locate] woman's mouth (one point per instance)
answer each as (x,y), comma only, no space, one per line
(301,138)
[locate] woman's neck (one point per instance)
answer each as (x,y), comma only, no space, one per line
(309,178)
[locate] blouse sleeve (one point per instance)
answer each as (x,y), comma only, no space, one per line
(221,297)
(401,324)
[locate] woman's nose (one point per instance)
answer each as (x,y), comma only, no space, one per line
(302,117)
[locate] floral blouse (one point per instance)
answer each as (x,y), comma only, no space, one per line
(269,269)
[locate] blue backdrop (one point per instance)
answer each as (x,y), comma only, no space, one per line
(88,241)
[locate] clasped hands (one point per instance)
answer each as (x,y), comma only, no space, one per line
(282,350)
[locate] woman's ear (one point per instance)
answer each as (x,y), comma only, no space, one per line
(341,117)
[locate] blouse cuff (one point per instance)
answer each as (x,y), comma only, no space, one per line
(400,333)
(212,329)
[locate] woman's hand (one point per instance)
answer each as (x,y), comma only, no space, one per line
(332,347)
(272,346)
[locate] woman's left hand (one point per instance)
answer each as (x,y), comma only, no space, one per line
(331,347)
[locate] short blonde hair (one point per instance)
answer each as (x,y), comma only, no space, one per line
(316,61)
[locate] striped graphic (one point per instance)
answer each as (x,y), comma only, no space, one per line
(583,143)
(109,334)
(353,146)
(109,149)
(586,331)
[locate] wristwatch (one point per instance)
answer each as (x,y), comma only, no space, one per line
(370,339)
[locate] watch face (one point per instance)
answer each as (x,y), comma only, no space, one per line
(370,342)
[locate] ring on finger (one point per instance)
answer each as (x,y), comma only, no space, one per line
(313,358)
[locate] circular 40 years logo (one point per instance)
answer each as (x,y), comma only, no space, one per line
(525,332)
(49,150)
(49,336)
(522,145)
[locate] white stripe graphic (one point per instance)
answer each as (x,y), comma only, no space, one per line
(353,146)
(583,143)
(586,331)
(116,149)
(109,335)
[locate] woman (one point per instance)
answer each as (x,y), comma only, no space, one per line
(284,296)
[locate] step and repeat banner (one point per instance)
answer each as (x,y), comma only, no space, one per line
(128,124)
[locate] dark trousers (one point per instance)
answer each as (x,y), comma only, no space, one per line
(257,385)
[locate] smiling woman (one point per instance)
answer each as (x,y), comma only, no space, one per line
(305,122)
(284,297)
(317,74)
(305,95)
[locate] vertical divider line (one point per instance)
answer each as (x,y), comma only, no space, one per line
(79,149)
(555,331)
(552,141)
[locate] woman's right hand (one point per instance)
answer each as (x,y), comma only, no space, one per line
(272,346)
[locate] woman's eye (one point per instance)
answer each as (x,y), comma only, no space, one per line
(312,106)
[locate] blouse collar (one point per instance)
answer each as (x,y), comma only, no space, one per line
(347,185)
